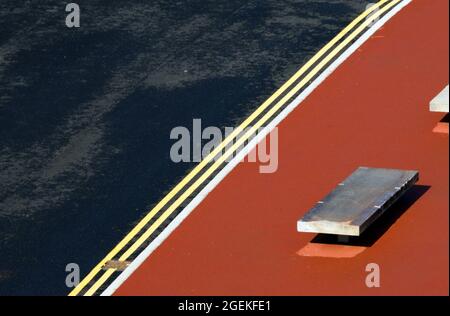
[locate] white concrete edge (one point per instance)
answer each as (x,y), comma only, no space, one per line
(243,153)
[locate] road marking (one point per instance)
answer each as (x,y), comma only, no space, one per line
(230,151)
(146,252)
(99,282)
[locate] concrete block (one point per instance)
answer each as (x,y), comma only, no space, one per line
(358,201)
(440,102)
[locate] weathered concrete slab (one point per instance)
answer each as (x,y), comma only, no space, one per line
(440,102)
(358,201)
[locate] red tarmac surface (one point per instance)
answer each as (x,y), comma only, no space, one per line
(372,111)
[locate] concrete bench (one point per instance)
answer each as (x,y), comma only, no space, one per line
(357,202)
(440,102)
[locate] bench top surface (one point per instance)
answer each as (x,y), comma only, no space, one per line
(358,201)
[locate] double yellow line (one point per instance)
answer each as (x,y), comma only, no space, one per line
(370,15)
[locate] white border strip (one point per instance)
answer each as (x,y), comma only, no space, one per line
(243,153)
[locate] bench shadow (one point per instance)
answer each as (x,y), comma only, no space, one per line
(382,224)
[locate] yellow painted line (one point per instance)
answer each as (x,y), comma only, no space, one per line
(218,149)
(99,282)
